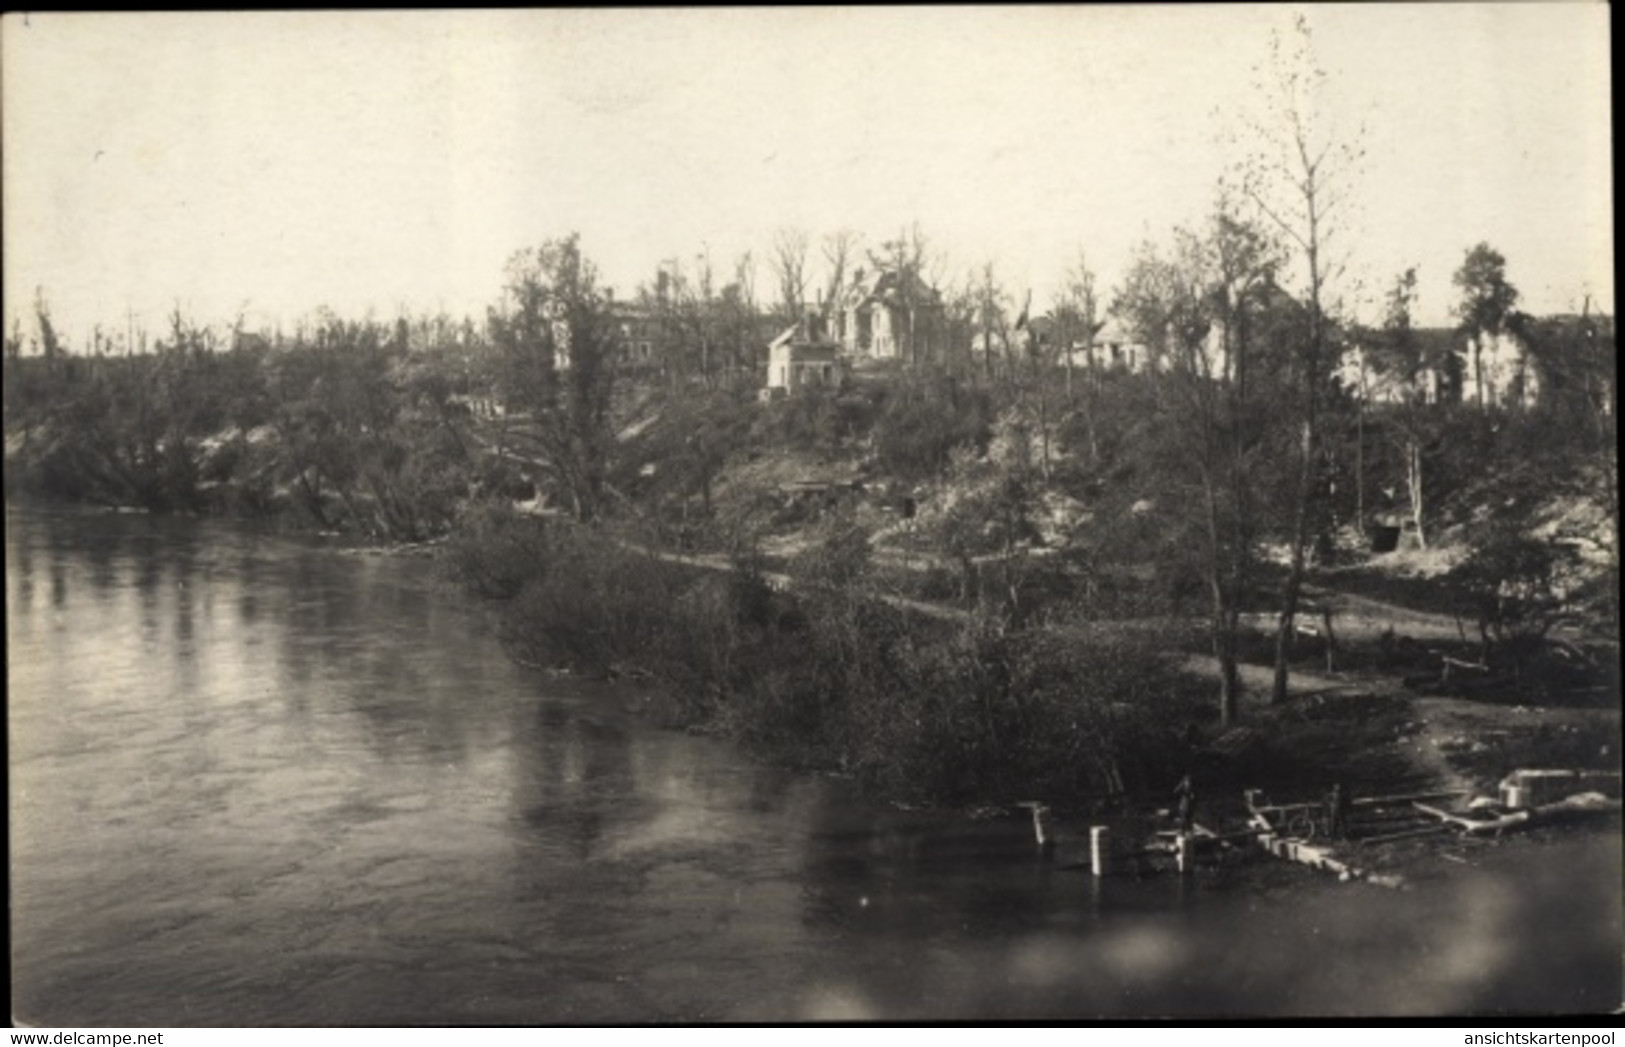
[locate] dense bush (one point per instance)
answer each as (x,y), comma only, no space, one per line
(1515,587)
(815,419)
(923,421)
(496,551)
(926,709)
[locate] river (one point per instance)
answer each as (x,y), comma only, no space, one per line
(258,780)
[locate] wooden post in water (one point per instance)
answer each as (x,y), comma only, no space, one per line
(1099,850)
(1041,826)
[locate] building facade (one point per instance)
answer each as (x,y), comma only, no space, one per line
(888,315)
(802,357)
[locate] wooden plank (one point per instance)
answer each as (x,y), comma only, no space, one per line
(1288,807)
(1426,830)
(1317,857)
(1363,801)
(1444,816)
(1478,825)
(1377,801)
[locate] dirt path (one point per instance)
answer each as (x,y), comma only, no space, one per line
(1426,748)
(1365,618)
(1256,679)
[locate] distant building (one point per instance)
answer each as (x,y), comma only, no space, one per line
(640,328)
(641,334)
(888,315)
(1113,349)
(1575,361)
(1441,365)
(1498,370)
(802,356)
(1423,369)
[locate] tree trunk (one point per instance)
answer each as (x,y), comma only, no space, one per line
(1229,672)
(987,336)
(1066,348)
(1359,458)
(1413,485)
(1094,398)
(1294,581)
(1478,367)
(1306,477)
(1224,637)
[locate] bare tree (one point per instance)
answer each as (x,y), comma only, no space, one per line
(1298,177)
(961,308)
(704,310)
(990,316)
(1410,423)
(745,277)
(789,263)
(743,320)
(837,249)
(1076,314)
(909,256)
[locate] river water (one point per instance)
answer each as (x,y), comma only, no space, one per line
(257,780)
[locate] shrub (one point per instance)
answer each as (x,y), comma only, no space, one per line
(1031,714)
(1515,589)
(495,551)
(594,606)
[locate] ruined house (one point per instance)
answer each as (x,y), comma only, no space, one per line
(1113,348)
(888,315)
(1421,367)
(1441,365)
(1498,370)
(640,333)
(803,356)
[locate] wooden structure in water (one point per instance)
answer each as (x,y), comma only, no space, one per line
(1304,832)
(1301,832)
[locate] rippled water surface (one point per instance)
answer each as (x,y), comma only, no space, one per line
(256,780)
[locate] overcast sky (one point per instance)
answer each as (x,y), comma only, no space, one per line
(275,163)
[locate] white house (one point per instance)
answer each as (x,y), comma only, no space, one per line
(1113,348)
(879,312)
(795,361)
(1498,371)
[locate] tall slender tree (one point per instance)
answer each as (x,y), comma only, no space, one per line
(789,264)
(1299,176)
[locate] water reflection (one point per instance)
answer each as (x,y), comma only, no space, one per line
(20,575)
(260,781)
(59,586)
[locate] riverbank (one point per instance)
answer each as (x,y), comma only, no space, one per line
(309,788)
(937,705)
